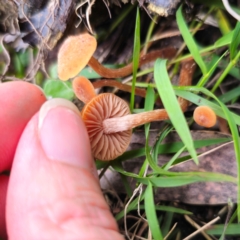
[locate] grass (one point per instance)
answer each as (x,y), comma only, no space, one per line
(160,224)
(142,199)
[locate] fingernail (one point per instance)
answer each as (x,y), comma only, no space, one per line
(63,134)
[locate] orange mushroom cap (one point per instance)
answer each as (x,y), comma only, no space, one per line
(205,116)
(104,106)
(74,55)
(83,89)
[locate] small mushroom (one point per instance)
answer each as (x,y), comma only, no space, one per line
(107,145)
(108,119)
(204,116)
(76,52)
(99,107)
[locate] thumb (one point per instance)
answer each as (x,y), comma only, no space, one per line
(53,190)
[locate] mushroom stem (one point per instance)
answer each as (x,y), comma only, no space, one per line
(168,53)
(119,124)
(124,87)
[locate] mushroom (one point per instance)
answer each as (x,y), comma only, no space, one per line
(99,107)
(76,52)
(108,119)
(204,116)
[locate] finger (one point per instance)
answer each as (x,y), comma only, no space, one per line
(53,191)
(3,192)
(19,101)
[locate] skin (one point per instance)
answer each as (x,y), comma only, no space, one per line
(14,116)
(53,189)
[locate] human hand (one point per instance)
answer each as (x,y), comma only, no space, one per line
(53,191)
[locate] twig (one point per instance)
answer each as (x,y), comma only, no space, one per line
(8,59)
(230,10)
(201,229)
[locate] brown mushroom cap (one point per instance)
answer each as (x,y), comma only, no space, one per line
(204,116)
(104,106)
(74,55)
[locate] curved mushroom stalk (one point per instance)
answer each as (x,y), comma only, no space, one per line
(168,53)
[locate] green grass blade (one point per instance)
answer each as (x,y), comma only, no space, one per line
(148,106)
(164,149)
(136,56)
(235,41)
(171,104)
(223,22)
(126,185)
(235,135)
(166,130)
(189,41)
(151,213)
(173,159)
(226,71)
(134,206)
(167,223)
(206,77)
(172,179)
(230,95)
(120,18)
(224,40)
(184,178)
(232,230)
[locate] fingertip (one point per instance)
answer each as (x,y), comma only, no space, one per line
(21,100)
(63,134)
(53,103)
